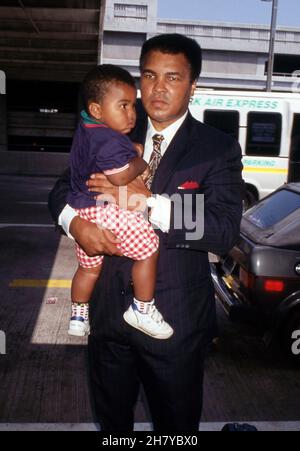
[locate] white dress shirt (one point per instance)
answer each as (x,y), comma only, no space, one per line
(161,212)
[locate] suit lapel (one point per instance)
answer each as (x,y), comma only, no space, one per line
(176,150)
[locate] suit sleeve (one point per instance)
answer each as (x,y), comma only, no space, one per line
(212,220)
(58,195)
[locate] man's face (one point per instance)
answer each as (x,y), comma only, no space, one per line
(166,87)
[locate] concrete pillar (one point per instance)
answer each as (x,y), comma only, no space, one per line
(3,113)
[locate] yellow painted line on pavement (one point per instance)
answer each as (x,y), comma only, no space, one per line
(40,283)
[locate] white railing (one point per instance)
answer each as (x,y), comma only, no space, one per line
(228,32)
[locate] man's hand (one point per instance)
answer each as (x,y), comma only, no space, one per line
(130,197)
(93,239)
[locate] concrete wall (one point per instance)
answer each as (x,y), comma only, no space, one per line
(234,54)
(229,62)
(138,16)
(122,45)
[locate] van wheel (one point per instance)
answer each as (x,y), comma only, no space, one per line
(291,337)
(249,200)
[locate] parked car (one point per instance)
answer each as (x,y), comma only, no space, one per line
(259,280)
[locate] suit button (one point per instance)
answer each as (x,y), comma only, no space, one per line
(187,246)
(177,245)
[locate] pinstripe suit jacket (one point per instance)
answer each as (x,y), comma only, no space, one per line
(212,160)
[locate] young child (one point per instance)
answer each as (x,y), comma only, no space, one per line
(100,144)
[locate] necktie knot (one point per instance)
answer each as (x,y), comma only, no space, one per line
(157,140)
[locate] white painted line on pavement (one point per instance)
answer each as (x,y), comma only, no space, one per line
(30,202)
(3,225)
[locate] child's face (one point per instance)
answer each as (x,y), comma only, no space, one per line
(117,109)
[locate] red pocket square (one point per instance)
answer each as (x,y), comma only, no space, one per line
(189,184)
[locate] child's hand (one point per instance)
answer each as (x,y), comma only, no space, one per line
(139,148)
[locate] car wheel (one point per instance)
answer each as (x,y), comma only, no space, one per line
(291,337)
(249,200)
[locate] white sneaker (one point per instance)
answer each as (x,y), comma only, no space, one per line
(78,326)
(151,323)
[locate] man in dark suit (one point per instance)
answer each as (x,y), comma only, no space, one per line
(195,159)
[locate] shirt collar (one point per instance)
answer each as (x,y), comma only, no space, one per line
(168,132)
(87,119)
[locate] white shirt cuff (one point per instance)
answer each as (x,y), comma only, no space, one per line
(65,218)
(160,215)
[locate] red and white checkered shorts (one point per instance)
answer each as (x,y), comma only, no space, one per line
(138,240)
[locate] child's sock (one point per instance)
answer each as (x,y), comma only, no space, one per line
(143,307)
(80,309)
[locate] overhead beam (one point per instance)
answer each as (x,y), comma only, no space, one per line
(50,44)
(49,26)
(43,62)
(34,50)
(50,35)
(49,39)
(52,14)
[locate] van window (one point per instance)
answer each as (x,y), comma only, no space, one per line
(226,121)
(263,134)
(295,142)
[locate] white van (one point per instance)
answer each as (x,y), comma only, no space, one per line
(267,126)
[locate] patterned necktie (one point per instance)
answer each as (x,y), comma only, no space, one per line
(155,158)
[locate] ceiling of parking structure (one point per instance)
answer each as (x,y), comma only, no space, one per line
(49,39)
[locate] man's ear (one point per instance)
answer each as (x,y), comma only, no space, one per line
(95,110)
(193,87)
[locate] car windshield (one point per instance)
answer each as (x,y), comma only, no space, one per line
(274,209)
